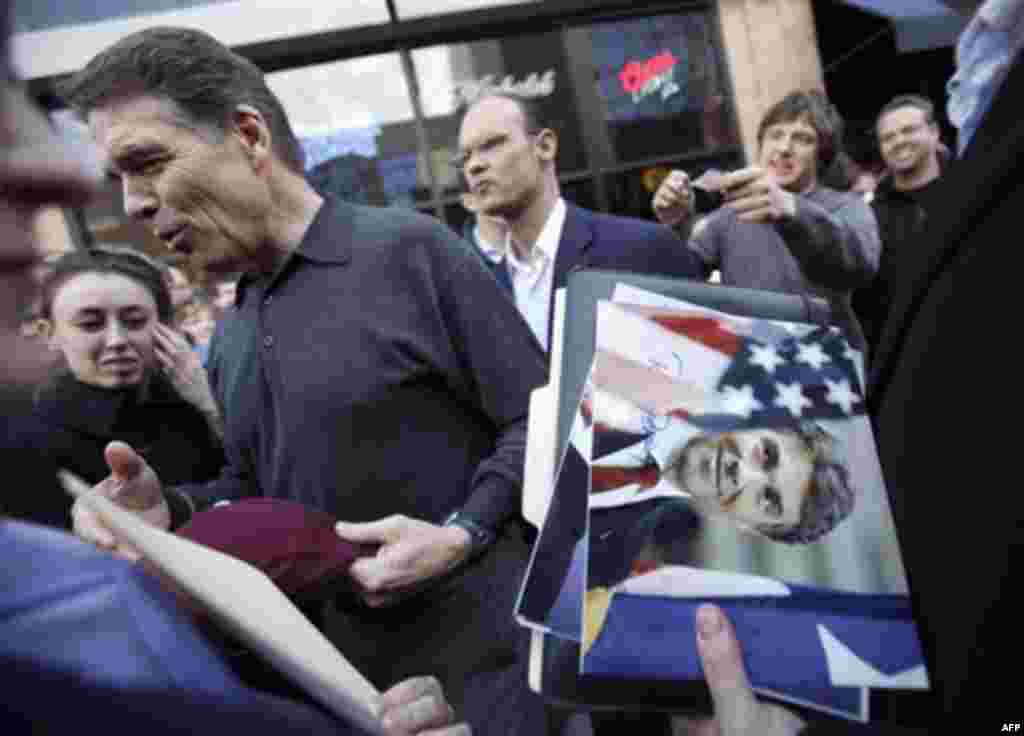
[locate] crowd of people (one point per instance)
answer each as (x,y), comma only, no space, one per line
(372,364)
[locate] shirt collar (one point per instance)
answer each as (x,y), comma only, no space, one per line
(491,252)
(324,242)
(550,235)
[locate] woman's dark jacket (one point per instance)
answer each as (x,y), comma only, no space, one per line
(71,423)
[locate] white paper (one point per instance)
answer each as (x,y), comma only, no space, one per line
(247,602)
(541,428)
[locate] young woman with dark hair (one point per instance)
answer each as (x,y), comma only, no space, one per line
(123,374)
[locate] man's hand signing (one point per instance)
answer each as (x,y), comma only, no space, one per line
(411,552)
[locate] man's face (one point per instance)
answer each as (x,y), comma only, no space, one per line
(758,477)
(907,140)
(37,170)
(789,150)
(501,160)
(197,190)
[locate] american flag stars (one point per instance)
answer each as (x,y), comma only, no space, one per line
(791,397)
(766,356)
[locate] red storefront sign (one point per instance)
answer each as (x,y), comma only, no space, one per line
(635,75)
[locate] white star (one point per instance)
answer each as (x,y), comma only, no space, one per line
(791,397)
(840,394)
(740,401)
(766,356)
(812,355)
(852,355)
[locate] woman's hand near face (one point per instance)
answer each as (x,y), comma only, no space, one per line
(183,367)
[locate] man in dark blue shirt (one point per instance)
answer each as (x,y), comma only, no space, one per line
(85,638)
(370,369)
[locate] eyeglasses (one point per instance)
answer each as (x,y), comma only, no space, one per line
(487,147)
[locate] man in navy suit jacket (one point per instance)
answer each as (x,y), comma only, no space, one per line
(507,154)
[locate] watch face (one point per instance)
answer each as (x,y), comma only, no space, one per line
(479,536)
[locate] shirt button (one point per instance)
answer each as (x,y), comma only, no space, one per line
(268,341)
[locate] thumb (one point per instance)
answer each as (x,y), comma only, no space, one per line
(125,464)
(736,706)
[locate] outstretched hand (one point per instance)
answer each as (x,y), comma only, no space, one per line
(673,202)
(755,196)
(133,486)
(411,552)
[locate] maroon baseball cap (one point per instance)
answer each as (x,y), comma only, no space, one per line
(295,546)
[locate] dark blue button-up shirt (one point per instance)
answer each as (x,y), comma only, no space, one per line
(379,371)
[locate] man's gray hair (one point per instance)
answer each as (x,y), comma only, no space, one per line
(830,498)
(203,78)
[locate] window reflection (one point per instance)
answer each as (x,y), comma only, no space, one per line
(355,121)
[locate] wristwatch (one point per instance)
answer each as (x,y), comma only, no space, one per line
(480,536)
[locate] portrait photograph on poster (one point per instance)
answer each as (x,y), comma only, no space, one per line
(732,460)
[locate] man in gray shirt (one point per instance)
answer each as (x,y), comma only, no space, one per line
(780,229)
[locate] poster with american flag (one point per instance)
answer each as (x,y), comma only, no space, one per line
(731,460)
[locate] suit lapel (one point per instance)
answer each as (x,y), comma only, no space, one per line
(577,236)
(988,168)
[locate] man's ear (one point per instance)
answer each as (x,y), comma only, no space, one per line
(547,144)
(253,133)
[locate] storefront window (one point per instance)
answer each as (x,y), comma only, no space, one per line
(625,96)
(356,123)
(661,84)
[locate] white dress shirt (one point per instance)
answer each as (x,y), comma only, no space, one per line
(533,279)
